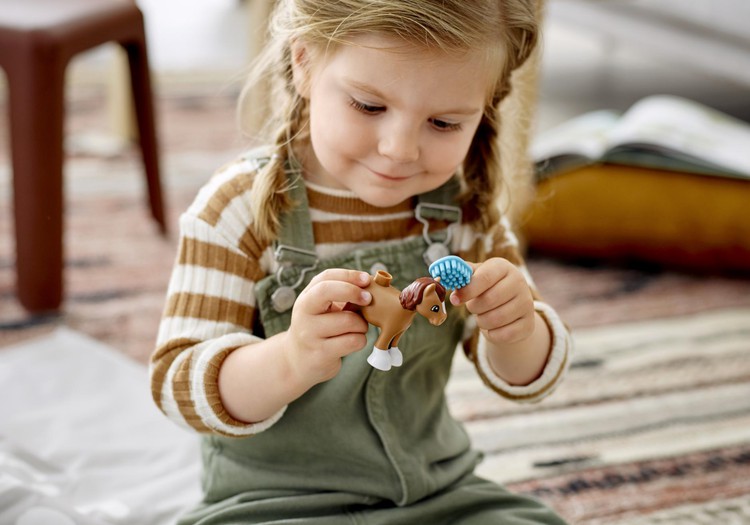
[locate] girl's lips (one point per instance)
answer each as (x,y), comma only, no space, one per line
(389,177)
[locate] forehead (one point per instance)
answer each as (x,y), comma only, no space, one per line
(390,64)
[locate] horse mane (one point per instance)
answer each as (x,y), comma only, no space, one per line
(411,296)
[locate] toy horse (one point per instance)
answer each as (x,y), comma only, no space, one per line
(393,312)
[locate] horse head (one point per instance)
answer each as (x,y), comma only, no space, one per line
(432,306)
(426,296)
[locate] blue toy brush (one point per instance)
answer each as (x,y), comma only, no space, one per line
(453,271)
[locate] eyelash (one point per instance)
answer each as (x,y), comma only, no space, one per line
(444,126)
(367,109)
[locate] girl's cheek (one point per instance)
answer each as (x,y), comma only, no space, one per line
(447,158)
(342,127)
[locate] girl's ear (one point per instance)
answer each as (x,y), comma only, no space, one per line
(301,66)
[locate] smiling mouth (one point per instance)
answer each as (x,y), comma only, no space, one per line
(389,177)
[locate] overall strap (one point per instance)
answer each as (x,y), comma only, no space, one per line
(440,203)
(295,243)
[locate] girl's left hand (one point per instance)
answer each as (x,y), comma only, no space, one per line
(500,298)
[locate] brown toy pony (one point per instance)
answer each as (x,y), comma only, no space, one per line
(393,312)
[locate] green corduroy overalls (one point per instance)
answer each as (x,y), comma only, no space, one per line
(366,447)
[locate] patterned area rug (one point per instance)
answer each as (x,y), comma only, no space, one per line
(652,425)
(653,415)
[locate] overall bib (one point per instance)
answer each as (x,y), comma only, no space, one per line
(367,446)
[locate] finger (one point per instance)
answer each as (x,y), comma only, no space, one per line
(513,332)
(484,277)
(500,316)
(503,315)
(355,277)
(345,344)
(325,326)
(349,322)
(338,323)
(493,298)
(511,287)
(320,297)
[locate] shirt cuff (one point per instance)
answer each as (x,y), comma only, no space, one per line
(554,370)
(205,389)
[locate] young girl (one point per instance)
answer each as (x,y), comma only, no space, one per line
(385,157)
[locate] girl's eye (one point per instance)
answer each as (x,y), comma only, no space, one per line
(442,125)
(365,108)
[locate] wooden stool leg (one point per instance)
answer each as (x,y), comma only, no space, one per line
(140,78)
(36,95)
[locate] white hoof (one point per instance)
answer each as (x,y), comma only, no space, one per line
(380,359)
(397,358)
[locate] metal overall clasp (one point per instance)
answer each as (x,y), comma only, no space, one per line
(436,249)
(287,256)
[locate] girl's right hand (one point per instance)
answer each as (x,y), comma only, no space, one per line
(321,332)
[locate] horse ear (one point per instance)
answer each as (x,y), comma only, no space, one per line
(437,279)
(430,289)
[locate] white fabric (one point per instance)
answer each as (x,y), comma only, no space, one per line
(81,439)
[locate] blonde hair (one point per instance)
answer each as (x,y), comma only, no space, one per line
(454,26)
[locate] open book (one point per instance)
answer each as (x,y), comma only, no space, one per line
(659,131)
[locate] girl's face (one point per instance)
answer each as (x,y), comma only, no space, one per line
(387,120)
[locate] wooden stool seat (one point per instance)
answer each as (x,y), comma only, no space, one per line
(38,38)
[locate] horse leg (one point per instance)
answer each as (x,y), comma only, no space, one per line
(397,358)
(380,357)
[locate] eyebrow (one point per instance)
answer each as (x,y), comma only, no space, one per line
(374,91)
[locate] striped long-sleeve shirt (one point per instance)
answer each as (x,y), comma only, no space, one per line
(210,308)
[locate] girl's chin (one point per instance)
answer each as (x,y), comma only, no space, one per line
(381,199)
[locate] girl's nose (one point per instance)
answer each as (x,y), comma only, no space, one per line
(400,142)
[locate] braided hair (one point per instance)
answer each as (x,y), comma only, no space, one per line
(506,29)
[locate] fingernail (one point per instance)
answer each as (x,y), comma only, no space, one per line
(366,297)
(455,301)
(364,278)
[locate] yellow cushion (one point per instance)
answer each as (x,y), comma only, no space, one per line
(623,212)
